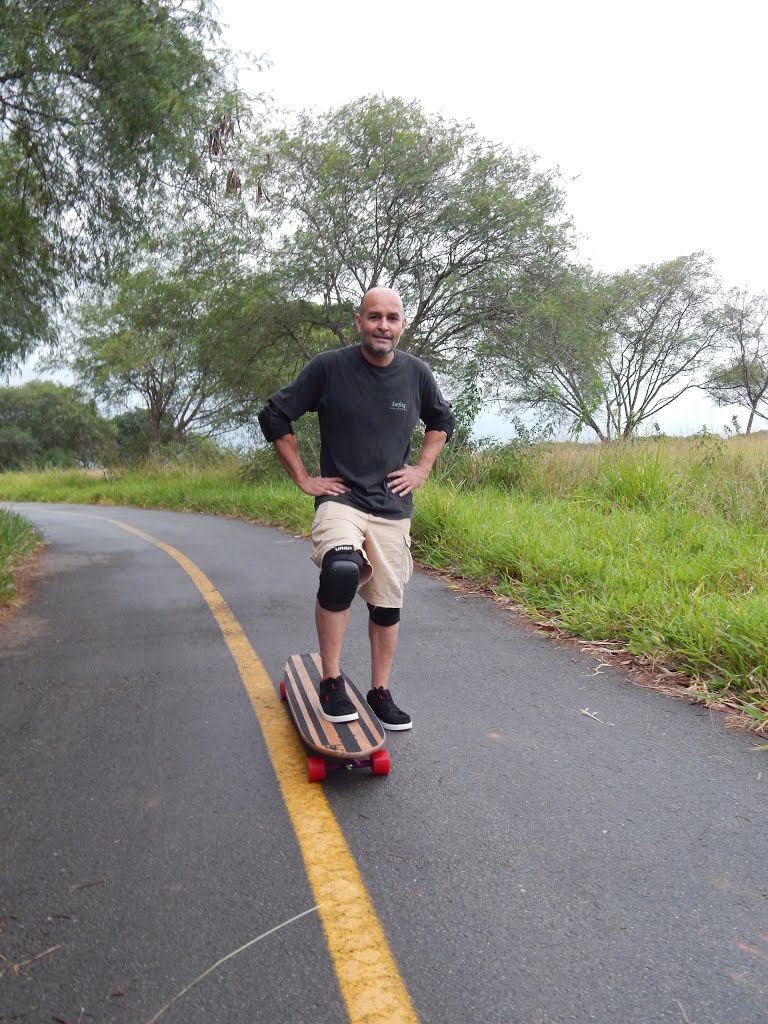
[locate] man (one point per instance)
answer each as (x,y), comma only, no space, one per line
(369,399)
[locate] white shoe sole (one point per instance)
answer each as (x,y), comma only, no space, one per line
(396,728)
(340,718)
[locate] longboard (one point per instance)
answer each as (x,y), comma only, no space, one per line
(335,745)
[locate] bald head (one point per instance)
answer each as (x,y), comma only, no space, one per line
(377,295)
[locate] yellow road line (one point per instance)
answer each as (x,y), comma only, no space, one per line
(370,983)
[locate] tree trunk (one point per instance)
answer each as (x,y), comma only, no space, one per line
(155,432)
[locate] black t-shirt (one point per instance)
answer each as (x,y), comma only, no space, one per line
(367,415)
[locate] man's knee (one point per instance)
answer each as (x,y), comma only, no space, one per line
(339,577)
(384,616)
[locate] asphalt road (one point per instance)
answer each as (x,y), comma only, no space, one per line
(527,863)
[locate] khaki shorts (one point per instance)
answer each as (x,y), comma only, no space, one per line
(385,545)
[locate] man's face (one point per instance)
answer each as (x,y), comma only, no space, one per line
(380,323)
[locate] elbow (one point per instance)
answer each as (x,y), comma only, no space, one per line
(274,424)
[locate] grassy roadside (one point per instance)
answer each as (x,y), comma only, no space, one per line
(17,540)
(658,549)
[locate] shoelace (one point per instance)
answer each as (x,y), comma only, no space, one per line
(331,689)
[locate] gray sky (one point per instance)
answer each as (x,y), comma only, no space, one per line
(654,112)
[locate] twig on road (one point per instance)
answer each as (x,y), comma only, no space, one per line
(682,1010)
(223,960)
(18,968)
(591,714)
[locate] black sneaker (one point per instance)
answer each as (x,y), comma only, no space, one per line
(387,712)
(335,705)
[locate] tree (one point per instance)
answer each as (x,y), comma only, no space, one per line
(48,424)
(132,434)
(262,340)
(743,378)
(101,105)
(548,358)
(609,352)
(191,335)
(380,193)
(141,344)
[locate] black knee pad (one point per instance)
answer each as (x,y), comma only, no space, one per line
(339,576)
(384,616)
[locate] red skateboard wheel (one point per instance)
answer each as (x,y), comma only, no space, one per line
(380,763)
(316,769)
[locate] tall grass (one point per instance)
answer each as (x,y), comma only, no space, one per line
(17,540)
(658,546)
(686,591)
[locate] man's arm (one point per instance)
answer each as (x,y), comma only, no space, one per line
(275,420)
(404,481)
(287,450)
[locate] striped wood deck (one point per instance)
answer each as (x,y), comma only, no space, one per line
(302,676)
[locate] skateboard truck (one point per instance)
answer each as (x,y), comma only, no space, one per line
(318,767)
